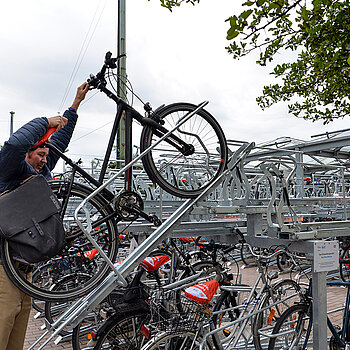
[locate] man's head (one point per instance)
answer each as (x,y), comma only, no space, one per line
(37,158)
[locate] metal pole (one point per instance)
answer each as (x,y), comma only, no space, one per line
(121,91)
(319,309)
(299,175)
(11,122)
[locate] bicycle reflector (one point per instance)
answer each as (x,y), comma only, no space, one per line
(43,138)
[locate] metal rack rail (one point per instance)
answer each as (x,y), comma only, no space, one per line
(265,194)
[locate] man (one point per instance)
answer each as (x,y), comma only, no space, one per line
(18,161)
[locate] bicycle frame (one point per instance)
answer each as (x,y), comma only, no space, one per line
(241,323)
(82,205)
(123,108)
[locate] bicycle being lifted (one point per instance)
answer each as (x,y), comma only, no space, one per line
(190,154)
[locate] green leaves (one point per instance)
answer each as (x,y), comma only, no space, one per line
(169,4)
(246,14)
(316,81)
(311,40)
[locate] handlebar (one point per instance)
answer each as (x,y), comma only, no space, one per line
(211,245)
(99,80)
(272,255)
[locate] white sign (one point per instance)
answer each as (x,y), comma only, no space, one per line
(326,256)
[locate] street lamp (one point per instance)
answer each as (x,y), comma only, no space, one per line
(11,122)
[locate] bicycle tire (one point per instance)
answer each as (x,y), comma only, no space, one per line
(55,309)
(185,176)
(294,321)
(247,257)
(44,281)
(344,267)
(197,267)
(122,331)
(174,340)
(268,318)
(226,300)
(106,235)
(81,336)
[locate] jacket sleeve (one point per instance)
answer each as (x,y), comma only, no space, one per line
(62,138)
(13,153)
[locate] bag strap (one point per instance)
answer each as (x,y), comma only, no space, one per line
(21,183)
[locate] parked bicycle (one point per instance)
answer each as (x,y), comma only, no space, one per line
(293,329)
(141,311)
(242,316)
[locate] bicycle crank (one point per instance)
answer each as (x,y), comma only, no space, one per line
(129,207)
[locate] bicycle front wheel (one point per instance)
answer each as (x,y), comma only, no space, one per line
(345,265)
(184,172)
(285,293)
(75,257)
(123,331)
(227,310)
(53,310)
(291,330)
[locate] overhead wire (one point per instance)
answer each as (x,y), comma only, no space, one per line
(87,40)
(89,133)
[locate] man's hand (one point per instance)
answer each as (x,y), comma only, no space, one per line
(81,93)
(57,122)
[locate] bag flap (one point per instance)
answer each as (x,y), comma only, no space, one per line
(33,201)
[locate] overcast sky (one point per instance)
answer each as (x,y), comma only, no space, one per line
(171,57)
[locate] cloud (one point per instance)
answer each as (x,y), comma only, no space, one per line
(171,57)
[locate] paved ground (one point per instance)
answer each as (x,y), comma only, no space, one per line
(335,298)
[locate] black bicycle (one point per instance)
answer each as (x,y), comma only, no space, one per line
(293,330)
(184,151)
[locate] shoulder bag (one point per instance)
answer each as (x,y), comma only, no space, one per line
(30,221)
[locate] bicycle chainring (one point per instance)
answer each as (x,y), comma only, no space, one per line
(128,205)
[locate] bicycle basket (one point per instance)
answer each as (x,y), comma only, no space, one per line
(179,314)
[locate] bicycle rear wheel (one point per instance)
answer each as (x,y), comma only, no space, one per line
(291,329)
(184,173)
(72,258)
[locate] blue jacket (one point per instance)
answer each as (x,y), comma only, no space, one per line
(13,166)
